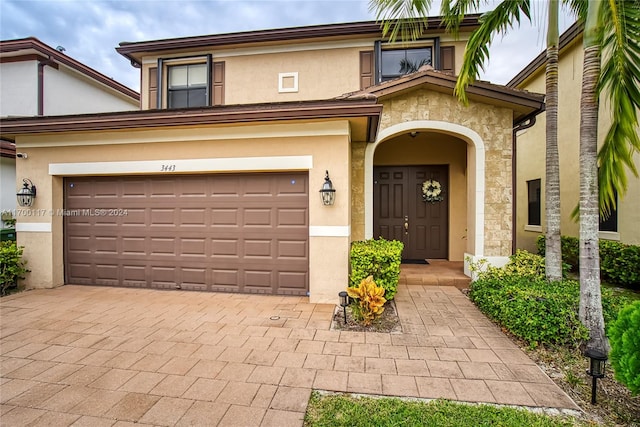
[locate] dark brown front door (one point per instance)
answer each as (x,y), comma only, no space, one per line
(400,213)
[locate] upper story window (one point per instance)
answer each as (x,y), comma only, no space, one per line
(398,62)
(192,81)
(187,86)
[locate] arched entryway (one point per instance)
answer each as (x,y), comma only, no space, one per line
(402,158)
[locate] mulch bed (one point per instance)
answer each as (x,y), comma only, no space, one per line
(388,322)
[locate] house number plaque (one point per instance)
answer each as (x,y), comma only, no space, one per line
(168,168)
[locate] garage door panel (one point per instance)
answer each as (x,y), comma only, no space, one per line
(256,217)
(232,233)
(291,217)
(296,249)
(292,280)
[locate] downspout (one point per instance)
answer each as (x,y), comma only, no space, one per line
(40,95)
(523,124)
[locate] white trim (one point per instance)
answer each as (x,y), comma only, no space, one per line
(171,166)
(282,76)
(329,231)
(33,227)
(302,47)
(333,128)
(475,165)
(535,228)
(609,235)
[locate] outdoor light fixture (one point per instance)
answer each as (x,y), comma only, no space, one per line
(27,193)
(597,363)
(344,302)
(327,192)
(413,134)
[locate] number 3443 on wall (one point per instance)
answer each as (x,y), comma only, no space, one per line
(168,168)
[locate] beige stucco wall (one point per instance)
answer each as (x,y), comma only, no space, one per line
(531,158)
(493,125)
(326,143)
(325,69)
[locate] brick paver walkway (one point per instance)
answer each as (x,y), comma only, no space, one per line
(94,356)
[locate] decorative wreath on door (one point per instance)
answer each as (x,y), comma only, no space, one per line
(432,191)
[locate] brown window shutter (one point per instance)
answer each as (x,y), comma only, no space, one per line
(218,83)
(153,88)
(448,59)
(366,69)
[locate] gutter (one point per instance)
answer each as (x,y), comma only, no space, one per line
(523,124)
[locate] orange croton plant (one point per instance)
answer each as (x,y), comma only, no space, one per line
(370,299)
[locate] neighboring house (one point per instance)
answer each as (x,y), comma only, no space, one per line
(623,223)
(214,184)
(37,80)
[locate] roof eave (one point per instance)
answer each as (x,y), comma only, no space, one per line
(10,128)
(59,57)
(539,61)
(130,49)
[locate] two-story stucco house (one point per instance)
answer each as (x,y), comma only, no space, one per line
(37,80)
(214,184)
(622,225)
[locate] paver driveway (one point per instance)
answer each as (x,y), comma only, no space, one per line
(80,355)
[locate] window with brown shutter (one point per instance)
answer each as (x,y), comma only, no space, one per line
(153,88)
(218,83)
(366,69)
(448,59)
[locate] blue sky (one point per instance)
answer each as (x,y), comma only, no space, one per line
(90,30)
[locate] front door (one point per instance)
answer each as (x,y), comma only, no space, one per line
(401,213)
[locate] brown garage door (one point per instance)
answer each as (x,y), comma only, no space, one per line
(231,233)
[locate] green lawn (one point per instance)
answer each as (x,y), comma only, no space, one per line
(339,410)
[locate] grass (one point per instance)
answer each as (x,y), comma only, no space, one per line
(342,410)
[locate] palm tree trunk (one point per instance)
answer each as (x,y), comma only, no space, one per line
(590,295)
(553,250)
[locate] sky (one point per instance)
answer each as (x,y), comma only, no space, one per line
(90,30)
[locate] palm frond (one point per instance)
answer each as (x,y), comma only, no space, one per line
(454,11)
(619,82)
(404,18)
(578,7)
(498,21)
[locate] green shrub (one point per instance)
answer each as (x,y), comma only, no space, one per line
(12,267)
(380,259)
(624,336)
(531,308)
(570,247)
(619,263)
(522,263)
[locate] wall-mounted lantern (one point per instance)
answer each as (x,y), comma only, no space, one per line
(327,192)
(27,193)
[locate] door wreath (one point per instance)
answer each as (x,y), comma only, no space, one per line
(432,191)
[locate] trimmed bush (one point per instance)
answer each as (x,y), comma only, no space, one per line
(624,337)
(619,263)
(531,308)
(12,267)
(519,298)
(380,259)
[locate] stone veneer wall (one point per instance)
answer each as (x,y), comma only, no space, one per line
(493,124)
(357,190)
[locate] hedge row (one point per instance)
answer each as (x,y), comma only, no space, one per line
(522,301)
(619,263)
